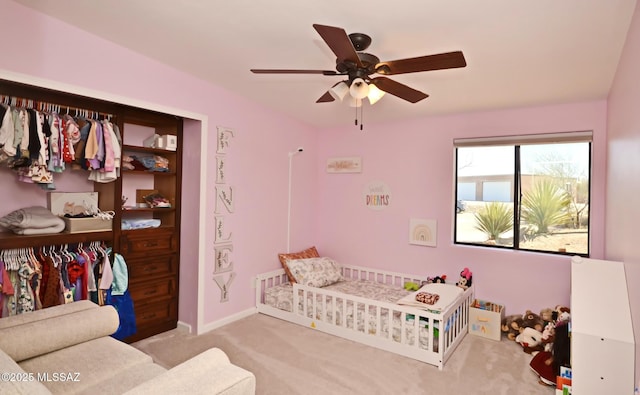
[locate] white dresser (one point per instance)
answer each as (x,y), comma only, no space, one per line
(602,343)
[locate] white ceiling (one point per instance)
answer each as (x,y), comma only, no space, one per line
(518,52)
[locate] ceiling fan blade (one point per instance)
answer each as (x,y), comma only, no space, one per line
(448,60)
(339,42)
(325,98)
(285,71)
(397,89)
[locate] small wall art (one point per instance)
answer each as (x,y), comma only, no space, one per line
(376,195)
(423,232)
(352,164)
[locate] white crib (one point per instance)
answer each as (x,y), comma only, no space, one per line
(426,336)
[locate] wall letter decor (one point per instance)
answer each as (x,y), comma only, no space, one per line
(224,195)
(223,244)
(219,237)
(220,163)
(223,261)
(224,286)
(224,135)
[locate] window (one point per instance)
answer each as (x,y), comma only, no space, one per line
(524,192)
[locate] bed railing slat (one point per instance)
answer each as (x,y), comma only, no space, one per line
(312,306)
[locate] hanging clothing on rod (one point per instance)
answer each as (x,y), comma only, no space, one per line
(36,278)
(36,141)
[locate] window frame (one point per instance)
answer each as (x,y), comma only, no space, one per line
(517,142)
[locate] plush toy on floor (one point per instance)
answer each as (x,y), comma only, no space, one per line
(531,341)
(547,364)
(511,326)
(465,278)
(562,314)
(547,315)
(532,320)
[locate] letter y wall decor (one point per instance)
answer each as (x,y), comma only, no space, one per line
(223,273)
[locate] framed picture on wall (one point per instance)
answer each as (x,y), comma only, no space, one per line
(352,164)
(423,232)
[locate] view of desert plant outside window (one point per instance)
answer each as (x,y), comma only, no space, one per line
(550,191)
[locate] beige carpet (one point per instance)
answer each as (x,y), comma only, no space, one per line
(289,359)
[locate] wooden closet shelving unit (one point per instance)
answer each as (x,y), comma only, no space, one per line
(153,254)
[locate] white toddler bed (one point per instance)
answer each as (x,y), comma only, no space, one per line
(363,307)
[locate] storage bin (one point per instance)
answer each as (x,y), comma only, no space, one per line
(72,203)
(78,225)
(485,319)
(168,142)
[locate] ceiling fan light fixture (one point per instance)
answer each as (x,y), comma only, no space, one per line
(339,90)
(359,89)
(375,94)
(353,102)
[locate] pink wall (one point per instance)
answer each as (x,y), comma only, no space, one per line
(623,168)
(257,165)
(416,160)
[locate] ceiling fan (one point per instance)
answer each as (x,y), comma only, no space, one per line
(358,66)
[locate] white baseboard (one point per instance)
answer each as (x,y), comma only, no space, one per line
(183,327)
(227,320)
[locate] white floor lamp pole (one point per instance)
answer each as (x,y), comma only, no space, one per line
(291,154)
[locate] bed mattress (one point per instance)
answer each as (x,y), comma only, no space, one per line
(281,297)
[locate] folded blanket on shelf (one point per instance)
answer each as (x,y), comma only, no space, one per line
(32,221)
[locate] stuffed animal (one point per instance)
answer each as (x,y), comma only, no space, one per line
(511,326)
(548,336)
(562,313)
(411,286)
(532,320)
(542,365)
(465,278)
(547,315)
(436,279)
(530,340)
(547,364)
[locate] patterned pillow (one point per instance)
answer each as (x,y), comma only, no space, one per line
(310,252)
(315,272)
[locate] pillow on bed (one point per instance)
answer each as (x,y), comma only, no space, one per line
(315,272)
(310,252)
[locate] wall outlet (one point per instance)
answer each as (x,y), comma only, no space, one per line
(253,283)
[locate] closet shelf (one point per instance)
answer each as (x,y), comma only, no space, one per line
(147,210)
(149,150)
(151,231)
(10,240)
(155,173)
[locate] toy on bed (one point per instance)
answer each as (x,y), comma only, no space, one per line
(437,279)
(411,286)
(465,278)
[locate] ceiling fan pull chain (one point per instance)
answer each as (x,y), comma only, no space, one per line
(361,116)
